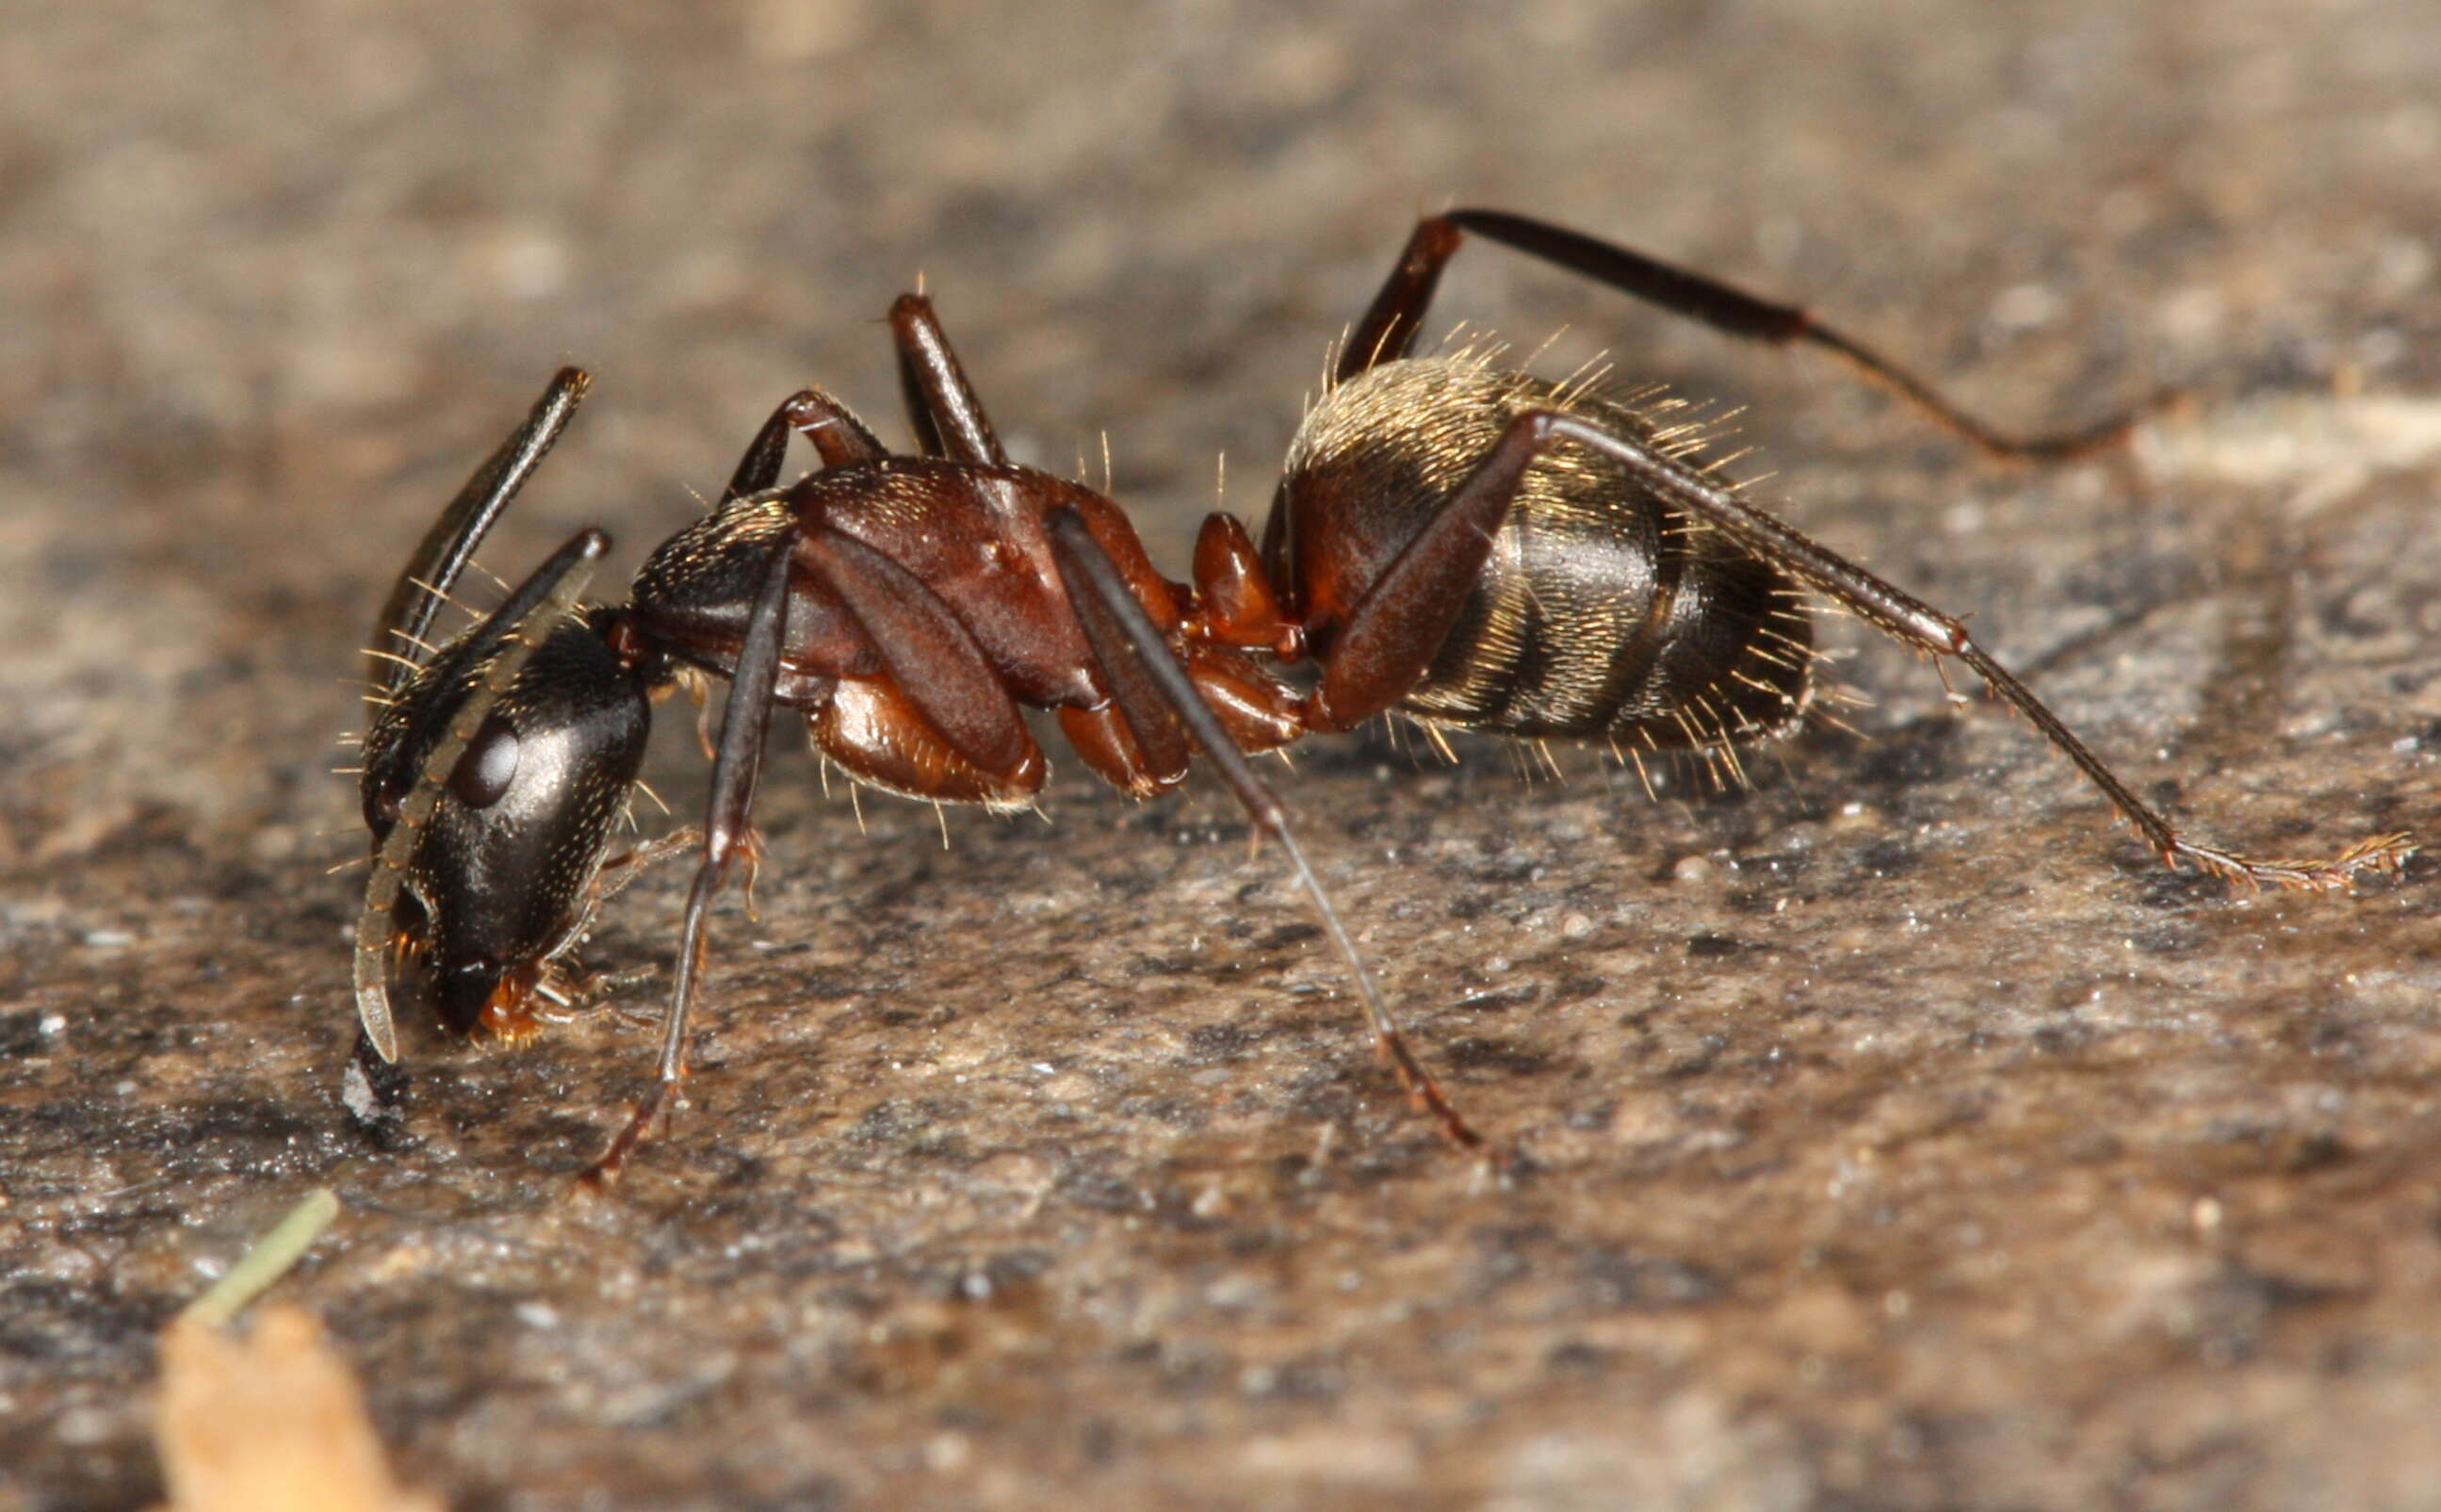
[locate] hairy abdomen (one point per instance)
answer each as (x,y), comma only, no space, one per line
(1603,613)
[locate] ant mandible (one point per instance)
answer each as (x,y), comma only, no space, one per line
(1460,544)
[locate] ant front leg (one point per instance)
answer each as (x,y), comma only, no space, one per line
(1910,620)
(727,836)
(838,438)
(1395,319)
(1153,691)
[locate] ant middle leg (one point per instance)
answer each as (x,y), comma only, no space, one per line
(941,404)
(1156,692)
(838,437)
(1393,322)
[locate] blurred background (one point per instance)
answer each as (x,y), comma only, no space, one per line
(1906,1141)
(275,273)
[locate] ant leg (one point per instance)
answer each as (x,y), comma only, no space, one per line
(930,656)
(614,877)
(1393,322)
(423,584)
(549,988)
(542,599)
(625,868)
(948,417)
(1392,633)
(727,836)
(837,435)
(1910,620)
(1130,650)
(1395,318)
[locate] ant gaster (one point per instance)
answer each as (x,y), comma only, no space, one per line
(1463,546)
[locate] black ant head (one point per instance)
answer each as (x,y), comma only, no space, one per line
(498,763)
(495,767)
(500,874)
(498,878)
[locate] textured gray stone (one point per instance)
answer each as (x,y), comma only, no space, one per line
(1900,1135)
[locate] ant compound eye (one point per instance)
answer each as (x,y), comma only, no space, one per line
(489,766)
(382,805)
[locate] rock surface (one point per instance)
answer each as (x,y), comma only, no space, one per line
(1898,1135)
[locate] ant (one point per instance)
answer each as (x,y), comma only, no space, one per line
(1461,544)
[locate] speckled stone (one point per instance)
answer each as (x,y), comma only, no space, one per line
(1897,1134)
